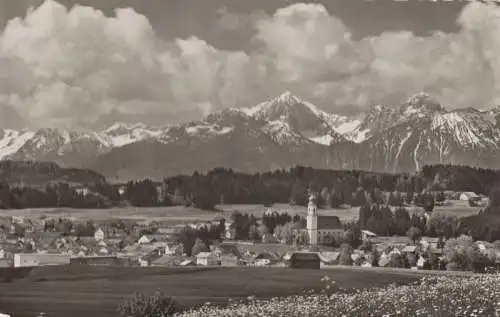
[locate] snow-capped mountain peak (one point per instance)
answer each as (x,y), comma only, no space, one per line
(121,134)
(288,98)
(421,104)
(303,118)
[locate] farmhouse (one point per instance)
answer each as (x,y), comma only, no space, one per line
(467,195)
(229,260)
(81,190)
(40,259)
(366,235)
(99,234)
(151,238)
(168,261)
(206,259)
(229,232)
(305,260)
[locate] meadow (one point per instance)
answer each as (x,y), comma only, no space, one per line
(97,291)
(429,297)
(179,214)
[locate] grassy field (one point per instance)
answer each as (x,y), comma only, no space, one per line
(179,214)
(97,291)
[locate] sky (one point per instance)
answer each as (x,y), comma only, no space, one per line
(68,63)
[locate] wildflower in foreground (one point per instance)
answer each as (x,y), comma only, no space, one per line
(435,297)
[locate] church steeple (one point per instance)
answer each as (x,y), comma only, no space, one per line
(312,221)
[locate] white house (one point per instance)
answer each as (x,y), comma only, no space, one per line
(420,262)
(229,232)
(152,238)
(82,191)
(206,259)
(171,248)
(366,234)
(467,195)
(121,190)
(40,259)
(99,235)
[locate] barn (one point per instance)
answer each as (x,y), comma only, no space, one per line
(305,260)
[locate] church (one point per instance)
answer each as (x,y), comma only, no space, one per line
(319,229)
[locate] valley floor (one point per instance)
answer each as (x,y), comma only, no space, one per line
(178,214)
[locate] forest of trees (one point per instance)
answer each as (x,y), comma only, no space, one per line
(225,186)
(60,195)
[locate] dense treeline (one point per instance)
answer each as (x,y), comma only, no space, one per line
(336,187)
(60,195)
(225,186)
(461,178)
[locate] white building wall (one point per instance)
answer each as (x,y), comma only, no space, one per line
(37,259)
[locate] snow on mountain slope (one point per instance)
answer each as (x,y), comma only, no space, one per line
(302,118)
(469,129)
(11,141)
(286,130)
(282,133)
(121,134)
(205,129)
(463,136)
(381,117)
(46,142)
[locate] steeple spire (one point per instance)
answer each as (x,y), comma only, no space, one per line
(312,221)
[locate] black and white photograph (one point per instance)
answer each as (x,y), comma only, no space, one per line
(246,158)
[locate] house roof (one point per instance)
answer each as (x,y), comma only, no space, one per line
(151,257)
(169,260)
(299,225)
(168,230)
(157,237)
(410,248)
(229,249)
(329,222)
(305,256)
(264,247)
(384,261)
(328,257)
(268,255)
(369,233)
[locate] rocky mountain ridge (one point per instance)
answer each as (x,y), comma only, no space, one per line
(278,133)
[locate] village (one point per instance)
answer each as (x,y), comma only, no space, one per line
(29,243)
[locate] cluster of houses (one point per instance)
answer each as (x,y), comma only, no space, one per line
(38,247)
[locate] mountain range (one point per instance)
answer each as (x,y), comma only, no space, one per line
(278,133)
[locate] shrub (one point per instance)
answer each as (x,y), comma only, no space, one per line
(140,305)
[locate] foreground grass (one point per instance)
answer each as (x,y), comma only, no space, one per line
(430,297)
(97,291)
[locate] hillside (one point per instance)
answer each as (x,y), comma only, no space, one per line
(17,173)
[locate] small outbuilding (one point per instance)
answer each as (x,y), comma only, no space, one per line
(468,195)
(305,260)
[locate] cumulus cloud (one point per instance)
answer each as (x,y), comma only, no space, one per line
(64,67)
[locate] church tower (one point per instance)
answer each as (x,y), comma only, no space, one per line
(312,221)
